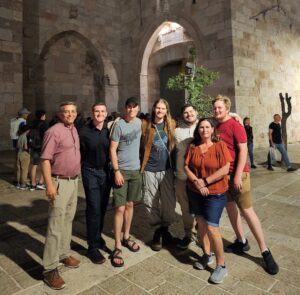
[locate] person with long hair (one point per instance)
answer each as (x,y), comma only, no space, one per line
(207,164)
(158,142)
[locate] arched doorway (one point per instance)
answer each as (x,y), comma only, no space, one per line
(165,55)
(70,67)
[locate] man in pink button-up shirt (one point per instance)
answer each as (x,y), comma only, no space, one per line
(60,167)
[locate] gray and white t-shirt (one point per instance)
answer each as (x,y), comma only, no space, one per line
(128,135)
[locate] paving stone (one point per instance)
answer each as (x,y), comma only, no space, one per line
(168,289)
(95,290)
(212,290)
(245,288)
(134,290)
(8,286)
(115,284)
(183,280)
(142,277)
(281,288)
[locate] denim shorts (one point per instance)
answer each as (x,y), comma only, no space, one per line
(210,208)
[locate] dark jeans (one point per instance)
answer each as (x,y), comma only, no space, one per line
(250,153)
(97,187)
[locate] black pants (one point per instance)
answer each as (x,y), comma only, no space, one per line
(97,187)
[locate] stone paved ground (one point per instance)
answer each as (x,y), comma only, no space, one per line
(23,219)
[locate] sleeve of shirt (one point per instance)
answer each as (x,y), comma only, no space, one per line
(116,133)
(49,145)
(187,156)
(239,133)
(271,126)
(224,154)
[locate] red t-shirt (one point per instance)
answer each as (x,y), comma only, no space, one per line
(206,164)
(233,133)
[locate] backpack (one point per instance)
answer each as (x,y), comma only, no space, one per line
(15,125)
(35,140)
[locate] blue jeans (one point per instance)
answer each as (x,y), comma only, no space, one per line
(210,208)
(97,187)
(284,154)
(250,153)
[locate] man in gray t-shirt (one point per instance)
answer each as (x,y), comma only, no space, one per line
(124,154)
(128,135)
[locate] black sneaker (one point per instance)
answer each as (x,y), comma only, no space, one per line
(237,247)
(156,243)
(167,238)
(253,166)
(184,243)
(32,188)
(270,168)
(291,169)
(96,256)
(271,266)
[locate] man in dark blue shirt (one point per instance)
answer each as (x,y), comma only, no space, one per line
(94,148)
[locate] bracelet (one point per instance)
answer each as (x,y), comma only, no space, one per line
(205,181)
(115,170)
(195,180)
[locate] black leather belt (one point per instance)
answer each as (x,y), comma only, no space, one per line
(64,177)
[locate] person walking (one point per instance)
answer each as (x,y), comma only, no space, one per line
(276,141)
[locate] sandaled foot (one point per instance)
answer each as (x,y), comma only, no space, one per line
(130,244)
(115,258)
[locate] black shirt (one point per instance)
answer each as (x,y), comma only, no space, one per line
(276,134)
(94,146)
(249,134)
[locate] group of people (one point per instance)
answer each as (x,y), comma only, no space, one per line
(202,163)
(27,140)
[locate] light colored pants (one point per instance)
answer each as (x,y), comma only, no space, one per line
(23,161)
(182,198)
(61,214)
(159,197)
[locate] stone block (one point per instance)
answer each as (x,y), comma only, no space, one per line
(6,13)
(115,284)
(6,34)
(8,286)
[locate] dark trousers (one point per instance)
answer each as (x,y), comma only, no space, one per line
(250,153)
(97,187)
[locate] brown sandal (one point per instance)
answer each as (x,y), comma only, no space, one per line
(129,244)
(115,255)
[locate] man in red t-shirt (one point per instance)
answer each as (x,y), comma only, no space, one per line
(239,193)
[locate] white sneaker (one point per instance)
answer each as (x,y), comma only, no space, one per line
(204,262)
(40,186)
(218,275)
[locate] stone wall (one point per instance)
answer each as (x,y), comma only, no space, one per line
(72,51)
(11,99)
(207,22)
(266,62)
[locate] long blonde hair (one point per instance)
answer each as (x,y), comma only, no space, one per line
(168,122)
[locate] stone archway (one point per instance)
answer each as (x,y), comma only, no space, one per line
(70,67)
(151,61)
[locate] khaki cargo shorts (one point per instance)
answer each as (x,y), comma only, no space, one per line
(243,198)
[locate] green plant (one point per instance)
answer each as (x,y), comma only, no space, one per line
(194,81)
